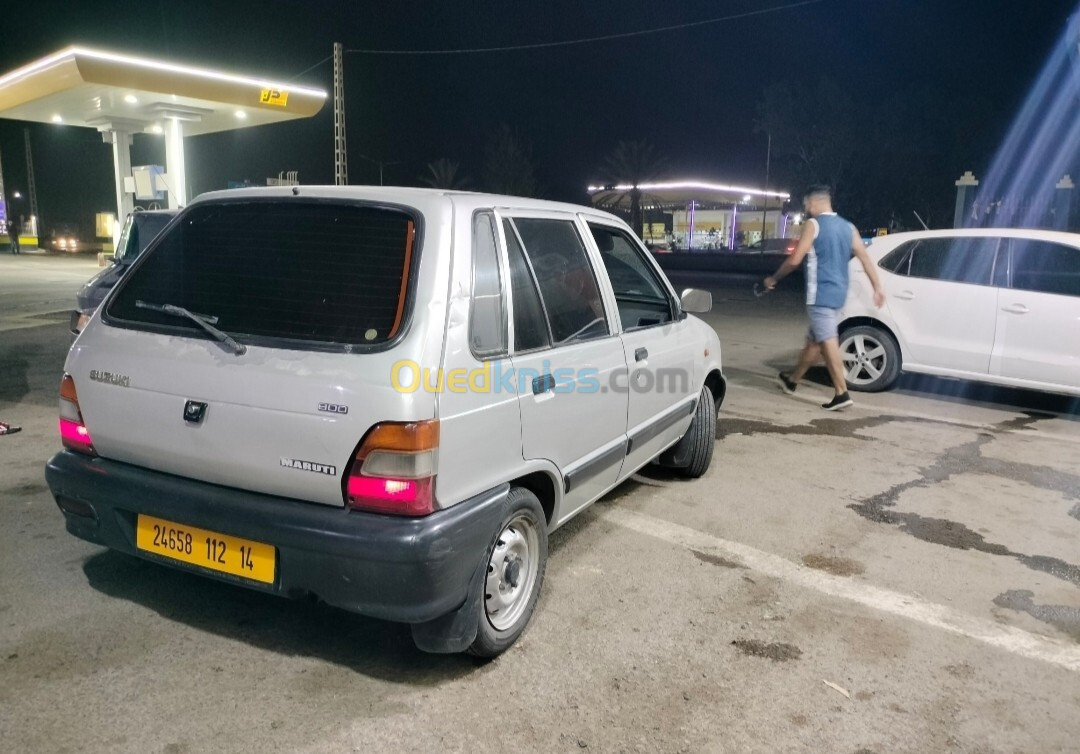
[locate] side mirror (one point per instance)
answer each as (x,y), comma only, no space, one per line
(696,301)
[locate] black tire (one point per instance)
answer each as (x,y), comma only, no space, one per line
(701,436)
(874,354)
(494,635)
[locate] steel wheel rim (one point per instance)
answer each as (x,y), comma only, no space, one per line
(865,359)
(511,573)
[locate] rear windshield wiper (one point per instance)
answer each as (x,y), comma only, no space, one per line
(204,321)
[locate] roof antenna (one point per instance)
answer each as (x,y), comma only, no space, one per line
(924,225)
(296,191)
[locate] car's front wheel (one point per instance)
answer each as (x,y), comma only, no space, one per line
(871,358)
(514,574)
(701,437)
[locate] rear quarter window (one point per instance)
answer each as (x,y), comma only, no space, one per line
(306,272)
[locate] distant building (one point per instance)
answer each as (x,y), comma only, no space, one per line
(698,215)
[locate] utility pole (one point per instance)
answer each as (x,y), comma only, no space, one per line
(341,166)
(765,212)
(31,188)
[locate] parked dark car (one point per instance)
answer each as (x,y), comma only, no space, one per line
(772,246)
(139,230)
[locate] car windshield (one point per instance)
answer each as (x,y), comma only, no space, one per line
(308,272)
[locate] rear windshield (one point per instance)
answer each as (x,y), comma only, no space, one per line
(316,272)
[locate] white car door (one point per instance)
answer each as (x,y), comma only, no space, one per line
(565,353)
(1038,331)
(943,303)
(658,345)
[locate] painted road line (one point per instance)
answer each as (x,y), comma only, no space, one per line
(1008,638)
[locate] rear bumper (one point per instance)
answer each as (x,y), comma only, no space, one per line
(411,570)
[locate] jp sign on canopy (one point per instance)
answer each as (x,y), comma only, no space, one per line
(120,95)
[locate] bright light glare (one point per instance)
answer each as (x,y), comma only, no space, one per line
(131,99)
(241,115)
(1040,148)
(57,119)
(157,129)
(693,185)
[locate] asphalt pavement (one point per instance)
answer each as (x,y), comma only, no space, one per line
(902,576)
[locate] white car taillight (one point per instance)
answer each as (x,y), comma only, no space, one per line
(394,469)
(73,431)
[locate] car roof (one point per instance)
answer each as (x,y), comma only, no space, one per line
(161,212)
(1032,233)
(407,195)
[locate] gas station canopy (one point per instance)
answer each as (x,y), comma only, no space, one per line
(121,95)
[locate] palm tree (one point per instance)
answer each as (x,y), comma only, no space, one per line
(508,164)
(443,174)
(633,163)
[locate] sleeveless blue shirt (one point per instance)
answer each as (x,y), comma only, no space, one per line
(827,262)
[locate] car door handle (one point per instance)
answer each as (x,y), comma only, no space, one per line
(1016,309)
(905,296)
(543,384)
(641,354)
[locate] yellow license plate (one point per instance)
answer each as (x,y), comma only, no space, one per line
(219,552)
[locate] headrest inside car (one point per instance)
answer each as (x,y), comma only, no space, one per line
(604,241)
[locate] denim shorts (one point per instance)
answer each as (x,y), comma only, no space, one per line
(823,321)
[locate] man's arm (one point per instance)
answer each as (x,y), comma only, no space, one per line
(806,242)
(858,248)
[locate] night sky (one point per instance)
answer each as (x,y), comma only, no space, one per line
(691,92)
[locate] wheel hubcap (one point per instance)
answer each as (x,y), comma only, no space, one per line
(511,573)
(865,359)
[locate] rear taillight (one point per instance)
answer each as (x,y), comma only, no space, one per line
(394,469)
(73,431)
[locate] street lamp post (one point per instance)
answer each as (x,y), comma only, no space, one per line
(380,163)
(765,211)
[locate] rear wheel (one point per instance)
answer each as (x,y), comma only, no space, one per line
(871,358)
(514,574)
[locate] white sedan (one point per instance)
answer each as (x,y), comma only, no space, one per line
(996,305)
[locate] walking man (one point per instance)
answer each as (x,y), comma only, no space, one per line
(828,242)
(13,234)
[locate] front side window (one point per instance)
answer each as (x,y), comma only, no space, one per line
(307,272)
(487,318)
(958,260)
(1045,267)
(641,297)
(897,260)
(568,287)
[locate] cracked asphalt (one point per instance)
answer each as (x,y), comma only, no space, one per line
(903,576)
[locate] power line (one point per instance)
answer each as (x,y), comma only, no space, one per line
(589,40)
(311,68)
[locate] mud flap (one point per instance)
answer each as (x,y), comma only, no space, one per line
(456,631)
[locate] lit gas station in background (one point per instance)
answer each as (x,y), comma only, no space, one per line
(123,95)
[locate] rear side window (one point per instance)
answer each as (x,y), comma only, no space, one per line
(958,260)
(530,322)
(305,272)
(1045,267)
(487,319)
(567,284)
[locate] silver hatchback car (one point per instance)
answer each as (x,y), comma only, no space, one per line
(385,398)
